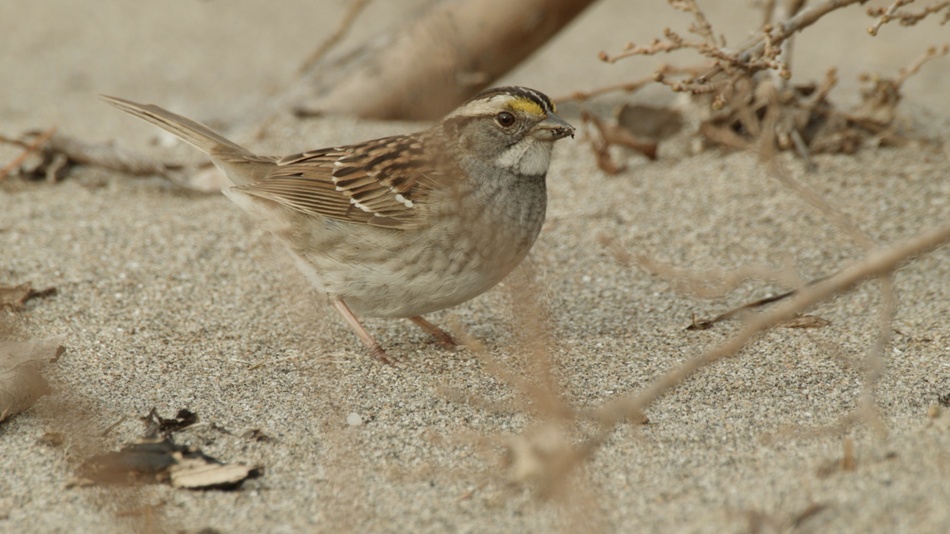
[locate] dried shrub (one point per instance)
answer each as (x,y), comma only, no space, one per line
(745,93)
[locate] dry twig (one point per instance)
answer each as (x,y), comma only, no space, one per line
(58,152)
(607,134)
(542,451)
(580,96)
(356,7)
(467,44)
(738,96)
(932,53)
(30,148)
(877,263)
(894,12)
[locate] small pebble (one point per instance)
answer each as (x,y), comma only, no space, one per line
(354,419)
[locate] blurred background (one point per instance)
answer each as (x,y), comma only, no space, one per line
(217,60)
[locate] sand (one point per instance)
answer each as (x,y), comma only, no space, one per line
(171,299)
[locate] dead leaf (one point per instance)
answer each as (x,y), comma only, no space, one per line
(21,380)
(146,461)
(14,297)
(153,461)
(205,472)
(156,425)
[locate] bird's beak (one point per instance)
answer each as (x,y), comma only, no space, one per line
(552,128)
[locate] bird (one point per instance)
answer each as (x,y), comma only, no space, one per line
(401,226)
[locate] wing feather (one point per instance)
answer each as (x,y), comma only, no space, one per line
(384,182)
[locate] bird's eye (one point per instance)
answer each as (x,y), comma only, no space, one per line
(505,119)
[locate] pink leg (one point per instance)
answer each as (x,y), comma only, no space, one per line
(374,348)
(442,338)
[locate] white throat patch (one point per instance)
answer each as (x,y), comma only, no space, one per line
(529,156)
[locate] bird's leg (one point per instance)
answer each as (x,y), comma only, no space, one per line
(374,348)
(442,338)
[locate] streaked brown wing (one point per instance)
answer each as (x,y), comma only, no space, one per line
(380,182)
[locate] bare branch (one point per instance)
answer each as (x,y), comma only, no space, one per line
(58,152)
(580,96)
(877,263)
(761,53)
(29,148)
(932,53)
(466,45)
(893,12)
(356,7)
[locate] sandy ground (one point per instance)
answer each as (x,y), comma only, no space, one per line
(176,300)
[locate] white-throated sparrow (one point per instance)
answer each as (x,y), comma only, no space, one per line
(405,225)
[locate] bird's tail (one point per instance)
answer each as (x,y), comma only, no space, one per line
(238,163)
